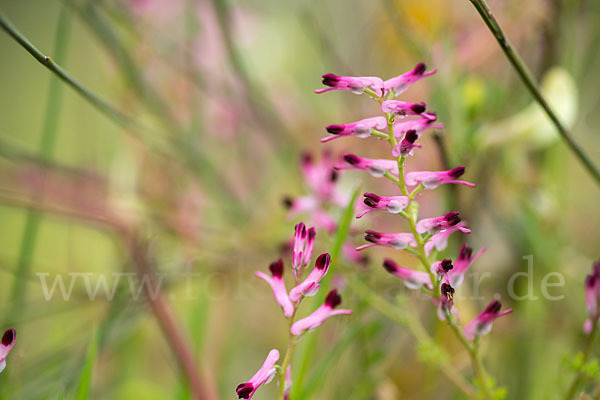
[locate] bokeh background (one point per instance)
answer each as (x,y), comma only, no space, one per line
(219,101)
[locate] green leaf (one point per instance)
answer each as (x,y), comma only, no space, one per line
(86,375)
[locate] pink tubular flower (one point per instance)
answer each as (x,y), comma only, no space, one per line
(320,314)
(441,269)
(392,204)
(418,125)
(400,83)
(592,297)
(278,286)
(398,241)
(403,108)
(412,279)
(465,258)
(433,225)
(8,341)
(354,84)
(264,375)
(446,303)
(311,284)
(431,180)
(321,177)
(439,240)
(304,243)
(407,146)
(375,167)
(482,324)
(361,129)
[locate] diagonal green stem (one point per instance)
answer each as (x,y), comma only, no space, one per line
(586,355)
(527,78)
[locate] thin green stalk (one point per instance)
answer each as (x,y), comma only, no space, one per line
(287,359)
(529,81)
(46,150)
(586,355)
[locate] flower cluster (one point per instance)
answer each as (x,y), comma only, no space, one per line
(402,125)
(304,240)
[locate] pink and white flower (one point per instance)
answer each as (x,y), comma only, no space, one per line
(263,376)
(360,129)
(441,269)
(465,258)
(278,285)
(403,108)
(398,241)
(446,303)
(431,180)
(439,240)
(412,279)
(482,324)
(320,314)
(8,341)
(401,82)
(433,225)
(392,204)
(354,84)
(304,243)
(407,146)
(310,285)
(375,167)
(418,125)
(592,298)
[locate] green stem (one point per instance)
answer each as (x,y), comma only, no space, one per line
(586,355)
(286,360)
(527,78)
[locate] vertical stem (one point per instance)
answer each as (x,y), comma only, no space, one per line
(580,375)
(527,78)
(286,360)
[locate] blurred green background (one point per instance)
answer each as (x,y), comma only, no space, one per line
(222,97)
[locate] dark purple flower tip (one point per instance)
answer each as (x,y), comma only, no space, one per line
(351,159)
(372,236)
(243,390)
(9,337)
(306,158)
(312,233)
(323,261)
(335,129)
(287,202)
(494,307)
(330,79)
(333,177)
(390,266)
(411,136)
(371,199)
(465,252)
(276,268)
(447,291)
(418,108)
(300,227)
(447,264)
(420,69)
(452,217)
(333,299)
(456,172)
(590,281)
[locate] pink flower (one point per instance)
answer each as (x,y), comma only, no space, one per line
(320,314)
(288,382)
(431,180)
(278,286)
(354,84)
(264,375)
(375,167)
(8,341)
(446,303)
(433,225)
(407,146)
(304,243)
(418,125)
(311,285)
(321,177)
(398,241)
(361,129)
(439,240)
(350,252)
(412,279)
(482,324)
(465,258)
(403,108)
(400,83)
(392,204)
(441,268)
(592,297)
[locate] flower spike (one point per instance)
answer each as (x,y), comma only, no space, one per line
(431,180)
(392,204)
(403,108)
(400,83)
(263,376)
(354,84)
(278,286)
(8,341)
(482,324)
(398,241)
(412,279)
(311,285)
(360,129)
(320,314)
(375,167)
